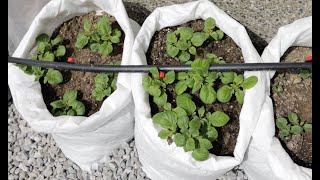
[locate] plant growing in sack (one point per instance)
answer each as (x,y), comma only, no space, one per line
(183,103)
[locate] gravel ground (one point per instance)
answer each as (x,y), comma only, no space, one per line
(34,155)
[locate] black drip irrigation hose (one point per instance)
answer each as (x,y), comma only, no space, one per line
(146,68)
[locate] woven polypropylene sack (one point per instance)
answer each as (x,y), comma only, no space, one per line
(162,161)
(85,140)
(266,158)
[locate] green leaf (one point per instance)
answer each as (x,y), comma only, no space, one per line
(185,33)
(103,26)
(179,140)
(200,65)
(70,95)
(146,82)
(307,127)
(209,23)
(160,100)
(87,25)
(198,38)
(296,129)
(180,111)
(240,96)
(58,104)
(171,38)
(212,133)
(98,94)
(220,34)
(54,77)
(154,72)
(207,94)
(194,124)
(227,77)
(169,78)
(182,45)
(249,82)
(43,47)
(196,86)
(181,87)
(183,122)
(214,35)
(293,118)
(78,107)
(116,32)
(182,76)
(71,112)
(154,90)
(115,39)
(201,111)
(190,145)
(218,119)
(82,40)
(184,56)
(61,51)
(56,41)
(186,103)
(105,48)
(224,94)
(238,79)
(164,134)
(205,143)
(48,57)
(193,50)
(200,154)
(166,119)
(304,74)
(95,37)
(281,123)
(94,47)
(167,106)
(42,38)
(284,133)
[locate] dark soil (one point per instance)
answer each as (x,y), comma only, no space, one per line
(231,53)
(77,80)
(295,97)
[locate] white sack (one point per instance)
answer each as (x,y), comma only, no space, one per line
(266,158)
(85,140)
(162,161)
(20,16)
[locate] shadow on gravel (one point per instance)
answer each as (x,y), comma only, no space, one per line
(136,12)
(257,41)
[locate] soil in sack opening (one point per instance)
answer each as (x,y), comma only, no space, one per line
(83,82)
(292,92)
(231,53)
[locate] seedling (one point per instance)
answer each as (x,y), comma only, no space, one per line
(68,105)
(193,130)
(209,25)
(101,38)
(199,78)
(47,50)
(293,127)
(234,84)
(156,86)
(105,84)
(305,74)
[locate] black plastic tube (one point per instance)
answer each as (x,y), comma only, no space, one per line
(146,68)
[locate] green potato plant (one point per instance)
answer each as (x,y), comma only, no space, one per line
(101,38)
(47,50)
(305,74)
(157,86)
(193,130)
(105,84)
(293,127)
(209,25)
(68,105)
(234,84)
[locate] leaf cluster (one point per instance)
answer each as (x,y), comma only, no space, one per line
(101,38)
(68,105)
